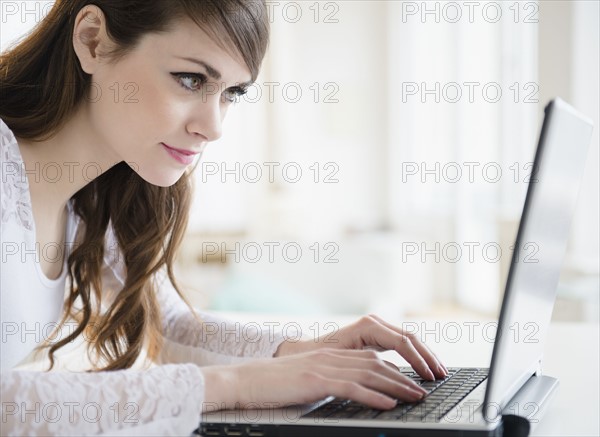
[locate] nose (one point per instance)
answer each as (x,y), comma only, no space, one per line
(207,119)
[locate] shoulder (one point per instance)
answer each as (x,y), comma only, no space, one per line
(7,135)
(4,127)
(10,155)
(8,143)
(14,190)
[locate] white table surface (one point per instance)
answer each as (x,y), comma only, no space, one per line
(571,355)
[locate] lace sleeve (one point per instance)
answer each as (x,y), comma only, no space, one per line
(164,400)
(208,340)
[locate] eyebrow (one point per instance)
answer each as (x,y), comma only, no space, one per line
(212,72)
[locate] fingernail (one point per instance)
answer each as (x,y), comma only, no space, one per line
(430,374)
(420,395)
(441,370)
(418,388)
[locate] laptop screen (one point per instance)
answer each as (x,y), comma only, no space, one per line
(538,254)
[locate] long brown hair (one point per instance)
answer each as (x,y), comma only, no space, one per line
(41,85)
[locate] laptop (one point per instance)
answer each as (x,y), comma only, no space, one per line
(470,401)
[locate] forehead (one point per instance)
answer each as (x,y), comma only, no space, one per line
(186,39)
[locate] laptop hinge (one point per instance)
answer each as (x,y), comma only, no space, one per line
(531,402)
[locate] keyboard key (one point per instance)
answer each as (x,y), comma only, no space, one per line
(443,395)
(367,413)
(389,415)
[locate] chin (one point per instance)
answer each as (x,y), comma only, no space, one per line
(161,180)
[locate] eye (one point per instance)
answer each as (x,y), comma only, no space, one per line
(191,81)
(232,95)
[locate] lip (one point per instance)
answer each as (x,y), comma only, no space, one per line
(185,157)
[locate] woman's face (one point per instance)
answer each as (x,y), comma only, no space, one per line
(153,101)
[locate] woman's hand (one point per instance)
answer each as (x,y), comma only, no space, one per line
(359,375)
(344,365)
(374,333)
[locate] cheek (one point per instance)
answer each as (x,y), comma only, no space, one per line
(145,114)
(120,106)
(147,111)
(134,112)
(158,112)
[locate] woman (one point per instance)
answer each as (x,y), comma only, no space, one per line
(103,108)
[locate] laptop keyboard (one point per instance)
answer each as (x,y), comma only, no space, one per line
(443,395)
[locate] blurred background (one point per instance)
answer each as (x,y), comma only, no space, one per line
(381,160)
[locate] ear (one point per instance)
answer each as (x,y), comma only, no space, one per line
(90,37)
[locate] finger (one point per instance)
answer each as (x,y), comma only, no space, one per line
(389,339)
(430,358)
(366,361)
(356,392)
(392,366)
(375,381)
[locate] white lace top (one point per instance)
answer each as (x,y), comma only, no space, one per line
(160,399)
